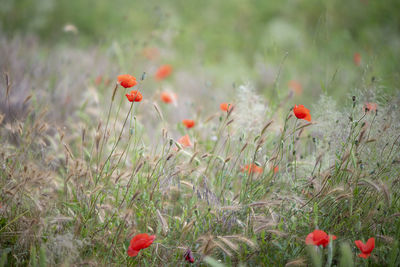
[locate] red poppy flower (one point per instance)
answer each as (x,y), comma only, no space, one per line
(296,87)
(302,112)
(276,169)
(127,80)
(319,238)
(185,141)
(98,80)
(168,97)
(151,53)
(107,82)
(139,242)
(252,168)
(366,248)
(163,72)
(357,59)
(188,123)
(225,106)
(370,107)
(134,96)
(189,256)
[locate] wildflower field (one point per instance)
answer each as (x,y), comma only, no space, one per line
(199,133)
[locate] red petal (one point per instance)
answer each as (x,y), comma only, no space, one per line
(132,253)
(370,245)
(308,117)
(365,256)
(359,244)
(310,239)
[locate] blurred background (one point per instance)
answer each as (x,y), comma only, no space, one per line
(308,47)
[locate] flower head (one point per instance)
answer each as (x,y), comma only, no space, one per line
(276,169)
(189,256)
(188,123)
(319,238)
(357,59)
(163,72)
(168,97)
(369,106)
(252,168)
(185,141)
(98,80)
(302,112)
(151,53)
(366,248)
(296,87)
(127,80)
(225,106)
(139,242)
(134,96)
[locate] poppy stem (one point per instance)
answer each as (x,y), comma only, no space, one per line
(116,143)
(105,129)
(294,148)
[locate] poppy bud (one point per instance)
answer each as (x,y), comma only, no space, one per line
(189,256)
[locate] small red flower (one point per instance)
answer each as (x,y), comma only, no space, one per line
(366,248)
(127,80)
(252,168)
(189,256)
(168,97)
(138,242)
(151,53)
(370,107)
(276,169)
(98,80)
(357,59)
(188,123)
(296,87)
(302,112)
(185,141)
(163,72)
(319,238)
(225,106)
(134,96)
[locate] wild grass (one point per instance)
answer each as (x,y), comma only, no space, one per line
(75,188)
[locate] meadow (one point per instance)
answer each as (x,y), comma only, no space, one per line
(178,133)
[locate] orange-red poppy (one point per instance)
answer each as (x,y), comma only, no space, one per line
(185,141)
(296,87)
(134,96)
(366,248)
(163,72)
(139,242)
(107,82)
(319,238)
(168,97)
(127,80)
(302,112)
(370,106)
(252,168)
(276,169)
(98,80)
(357,59)
(225,106)
(188,123)
(151,53)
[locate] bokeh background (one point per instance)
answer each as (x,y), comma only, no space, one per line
(221,43)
